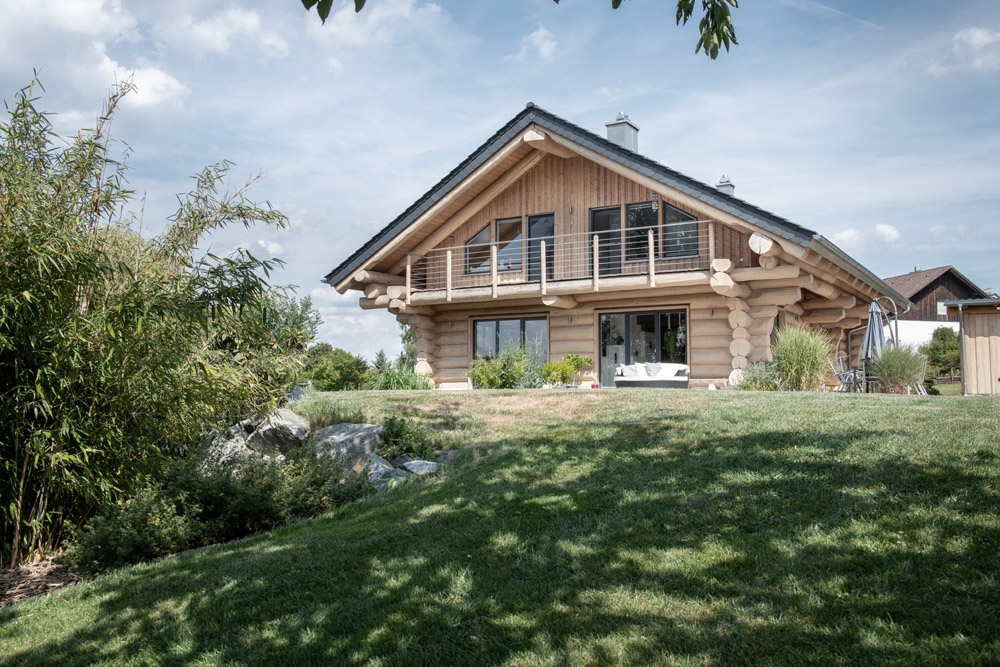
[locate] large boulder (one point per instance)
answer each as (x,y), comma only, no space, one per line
(421,467)
(381,474)
(227,449)
(349,442)
(295,395)
(279,433)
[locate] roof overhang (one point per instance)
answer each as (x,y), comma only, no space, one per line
(547,134)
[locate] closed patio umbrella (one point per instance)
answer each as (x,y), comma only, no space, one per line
(874,335)
(874,339)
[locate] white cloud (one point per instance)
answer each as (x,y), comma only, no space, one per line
(541,41)
(219,32)
(154,88)
(850,239)
(887,233)
(271,247)
(976,49)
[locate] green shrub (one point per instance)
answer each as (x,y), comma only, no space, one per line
(401,436)
(114,348)
(514,368)
(340,371)
(944,351)
(557,372)
(394,378)
(801,358)
(191,508)
(898,367)
(759,376)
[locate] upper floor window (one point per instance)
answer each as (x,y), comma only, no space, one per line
(680,233)
(639,219)
(508,236)
(477,252)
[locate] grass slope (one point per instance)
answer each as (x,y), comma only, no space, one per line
(594,528)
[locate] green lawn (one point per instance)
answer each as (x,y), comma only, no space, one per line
(598,527)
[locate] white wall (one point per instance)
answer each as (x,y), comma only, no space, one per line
(917,332)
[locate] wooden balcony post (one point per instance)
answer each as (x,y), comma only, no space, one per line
(543,268)
(597,266)
(493,267)
(409,271)
(652,260)
(448,278)
(711,242)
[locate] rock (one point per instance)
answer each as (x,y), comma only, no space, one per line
(228,449)
(250,425)
(401,459)
(351,442)
(381,473)
(279,433)
(421,467)
(444,456)
(295,395)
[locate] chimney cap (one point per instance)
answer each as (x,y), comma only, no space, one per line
(725,185)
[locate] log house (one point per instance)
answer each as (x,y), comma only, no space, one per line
(551,236)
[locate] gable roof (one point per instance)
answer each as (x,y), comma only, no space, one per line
(909,284)
(669,177)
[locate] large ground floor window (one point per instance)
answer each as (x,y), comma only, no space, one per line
(649,336)
(495,336)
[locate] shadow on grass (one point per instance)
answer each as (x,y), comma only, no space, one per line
(620,542)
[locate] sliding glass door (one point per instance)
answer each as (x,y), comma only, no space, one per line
(653,336)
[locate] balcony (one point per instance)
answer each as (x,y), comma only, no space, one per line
(675,254)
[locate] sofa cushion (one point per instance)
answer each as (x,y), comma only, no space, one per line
(627,372)
(641,370)
(653,369)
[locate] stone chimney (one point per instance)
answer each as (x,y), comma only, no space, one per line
(725,186)
(623,132)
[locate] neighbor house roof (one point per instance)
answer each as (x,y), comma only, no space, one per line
(909,284)
(639,163)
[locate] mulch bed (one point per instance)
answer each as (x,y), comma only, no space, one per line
(33,579)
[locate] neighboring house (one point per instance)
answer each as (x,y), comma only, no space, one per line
(979,321)
(572,243)
(928,290)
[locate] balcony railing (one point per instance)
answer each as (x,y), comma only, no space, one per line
(635,251)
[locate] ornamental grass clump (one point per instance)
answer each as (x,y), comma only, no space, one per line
(396,378)
(898,367)
(801,358)
(759,376)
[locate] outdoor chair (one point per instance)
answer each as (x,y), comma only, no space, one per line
(848,378)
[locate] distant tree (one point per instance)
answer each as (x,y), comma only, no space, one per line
(339,371)
(381,362)
(945,350)
(715,27)
(315,354)
(408,357)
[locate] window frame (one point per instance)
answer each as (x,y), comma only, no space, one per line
(655,227)
(520,239)
(496,329)
(469,246)
(664,225)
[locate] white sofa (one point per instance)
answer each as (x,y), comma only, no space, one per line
(670,376)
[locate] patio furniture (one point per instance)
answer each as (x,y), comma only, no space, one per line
(850,379)
(664,376)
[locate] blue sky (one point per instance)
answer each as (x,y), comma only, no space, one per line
(874,123)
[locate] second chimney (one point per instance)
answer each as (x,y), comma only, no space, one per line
(725,186)
(623,132)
